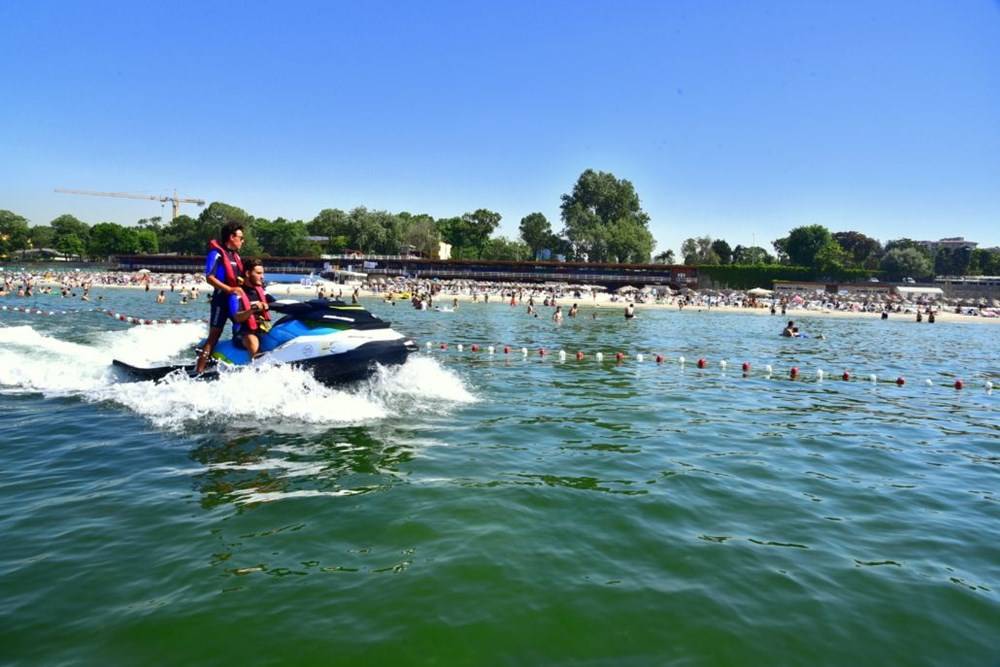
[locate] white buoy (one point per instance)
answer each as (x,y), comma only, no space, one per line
(680,360)
(489,349)
(428,345)
(459,347)
(599,356)
(989,386)
(524,351)
(768,369)
(820,374)
(639,357)
(723,364)
(562,355)
(872,378)
(929,383)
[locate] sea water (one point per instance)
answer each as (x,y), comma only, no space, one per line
(468,508)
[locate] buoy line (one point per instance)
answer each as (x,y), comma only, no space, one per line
(746,368)
(129,319)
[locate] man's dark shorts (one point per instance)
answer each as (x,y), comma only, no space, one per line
(220,310)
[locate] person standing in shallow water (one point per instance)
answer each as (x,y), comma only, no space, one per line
(223,268)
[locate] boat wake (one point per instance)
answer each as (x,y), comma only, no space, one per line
(259,397)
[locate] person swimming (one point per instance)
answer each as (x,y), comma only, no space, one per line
(790,330)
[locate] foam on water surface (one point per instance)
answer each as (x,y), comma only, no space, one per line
(273,396)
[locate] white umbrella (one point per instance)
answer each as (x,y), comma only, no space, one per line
(759,291)
(143,271)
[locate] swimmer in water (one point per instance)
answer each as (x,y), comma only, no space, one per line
(790,330)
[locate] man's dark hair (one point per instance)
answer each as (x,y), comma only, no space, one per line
(251,264)
(229,229)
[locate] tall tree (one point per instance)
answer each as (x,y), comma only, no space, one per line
(751,255)
(109,238)
(535,232)
(603,218)
(724,252)
(503,248)
(864,251)
(14,232)
(481,224)
(699,251)
(68,225)
(42,236)
(901,263)
(665,257)
(831,259)
(420,233)
(805,242)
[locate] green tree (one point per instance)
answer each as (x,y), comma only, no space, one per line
(953,261)
(604,219)
(42,236)
(781,249)
(331,223)
(699,251)
(109,238)
(283,238)
(723,251)
(805,242)
(71,244)
(147,240)
(420,233)
(665,257)
(901,263)
(751,255)
(502,248)
(535,232)
(481,224)
(831,259)
(14,232)
(985,262)
(183,235)
(68,225)
(864,251)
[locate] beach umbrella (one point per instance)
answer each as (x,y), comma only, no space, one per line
(759,291)
(143,271)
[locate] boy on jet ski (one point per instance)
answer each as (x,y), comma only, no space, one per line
(223,269)
(250,310)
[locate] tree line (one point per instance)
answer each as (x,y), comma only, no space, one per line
(602,221)
(834,253)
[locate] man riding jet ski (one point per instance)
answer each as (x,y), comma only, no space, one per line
(337,342)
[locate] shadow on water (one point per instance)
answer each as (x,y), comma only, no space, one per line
(260,468)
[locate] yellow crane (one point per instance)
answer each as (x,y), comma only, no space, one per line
(175,200)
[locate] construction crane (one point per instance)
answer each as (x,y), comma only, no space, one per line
(175,200)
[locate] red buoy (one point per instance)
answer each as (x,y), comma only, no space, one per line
(506,349)
(474,348)
(702,363)
(794,372)
(579,356)
(541,351)
(619,356)
(846,376)
(659,358)
(900,381)
(444,346)
(958,384)
(746,366)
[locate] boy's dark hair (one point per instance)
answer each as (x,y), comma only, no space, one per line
(229,229)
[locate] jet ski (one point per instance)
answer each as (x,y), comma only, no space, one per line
(337,342)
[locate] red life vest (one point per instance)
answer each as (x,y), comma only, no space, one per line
(229,257)
(251,322)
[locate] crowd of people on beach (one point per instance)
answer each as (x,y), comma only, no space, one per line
(434,294)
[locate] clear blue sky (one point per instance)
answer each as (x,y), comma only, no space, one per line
(739,120)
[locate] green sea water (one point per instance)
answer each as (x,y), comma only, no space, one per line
(476,509)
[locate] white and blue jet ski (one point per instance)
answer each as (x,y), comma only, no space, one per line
(335,341)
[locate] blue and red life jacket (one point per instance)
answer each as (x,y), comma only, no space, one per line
(229,257)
